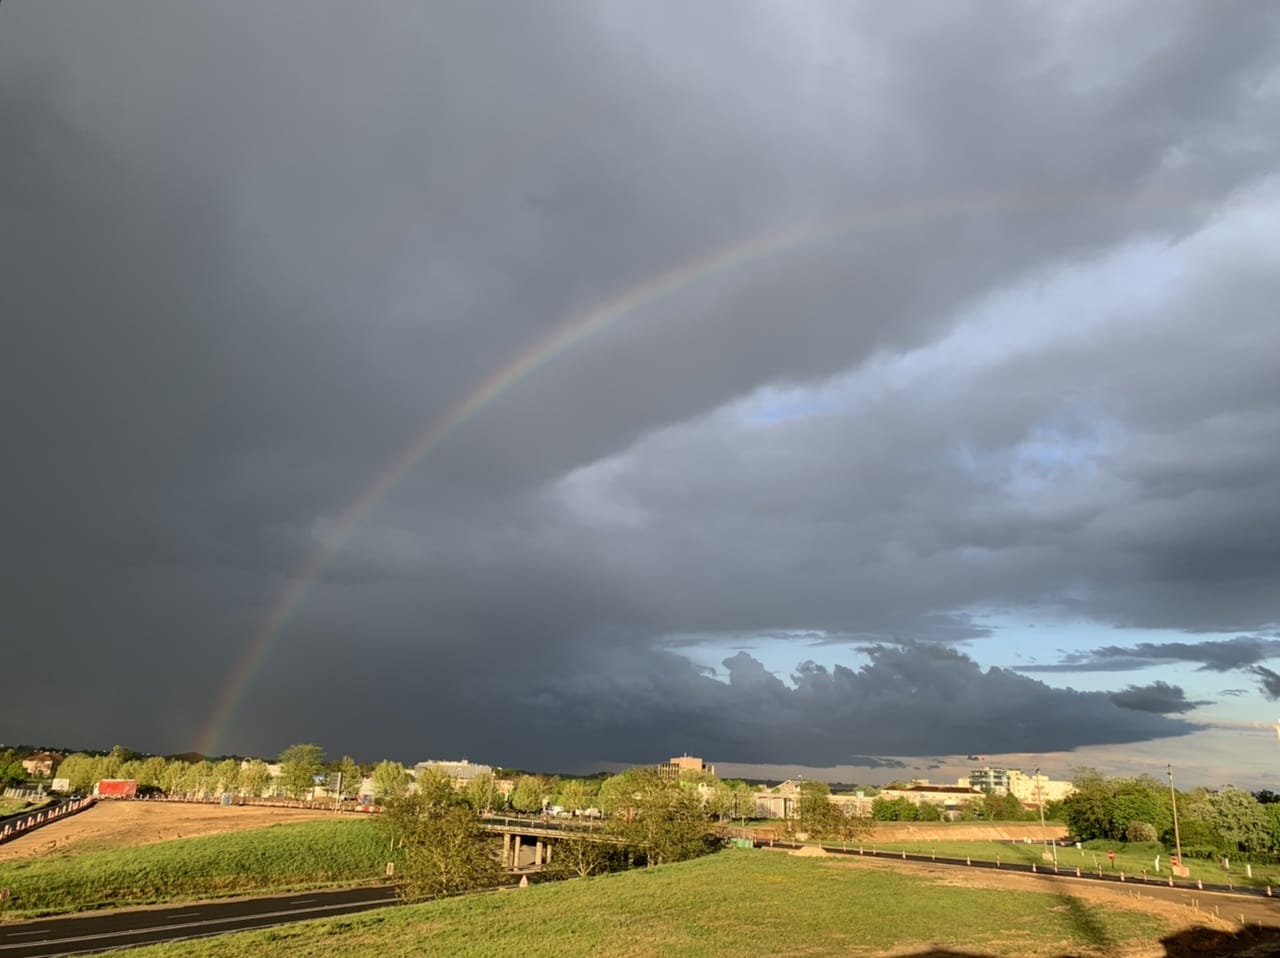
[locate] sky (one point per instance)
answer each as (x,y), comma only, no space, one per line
(843,388)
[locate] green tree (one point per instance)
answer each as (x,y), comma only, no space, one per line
(447,853)
(479,793)
(1141,832)
(616,793)
(1138,800)
(1240,820)
(528,795)
(817,814)
(668,824)
(172,776)
(580,855)
(1087,810)
(390,781)
(198,781)
(255,778)
(575,795)
(435,788)
(299,765)
(152,771)
(226,776)
(351,776)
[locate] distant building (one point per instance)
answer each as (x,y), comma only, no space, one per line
(989,780)
(671,769)
(41,765)
(952,799)
(1028,789)
(459,773)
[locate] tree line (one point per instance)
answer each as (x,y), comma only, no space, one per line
(1212,823)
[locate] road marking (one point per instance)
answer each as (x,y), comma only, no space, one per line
(186,914)
(302,901)
(38,931)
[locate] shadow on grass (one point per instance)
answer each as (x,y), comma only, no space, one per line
(1191,943)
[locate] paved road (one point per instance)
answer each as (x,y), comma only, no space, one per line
(90,933)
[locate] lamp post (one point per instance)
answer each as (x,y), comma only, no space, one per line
(1173,800)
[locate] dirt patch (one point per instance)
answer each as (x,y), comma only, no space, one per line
(110,825)
(963,832)
(810,851)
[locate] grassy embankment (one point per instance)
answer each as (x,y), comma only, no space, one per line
(1132,859)
(12,806)
(735,902)
(275,858)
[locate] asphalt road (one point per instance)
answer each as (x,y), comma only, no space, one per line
(100,932)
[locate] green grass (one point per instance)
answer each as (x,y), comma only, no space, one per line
(12,806)
(1130,860)
(278,857)
(734,902)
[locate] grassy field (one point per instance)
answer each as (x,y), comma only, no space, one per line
(735,902)
(279,857)
(12,806)
(1132,860)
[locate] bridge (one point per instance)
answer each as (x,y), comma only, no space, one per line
(527,841)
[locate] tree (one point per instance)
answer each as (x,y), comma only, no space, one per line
(582,855)
(390,781)
(1087,810)
(152,771)
(575,795)
(528,795)
(255,778)
(12,774)
(172,776)
(1240,820)
(447,853)
(478,793)
(616,793)
(668,824)
(299,765)
(1141,832)
(351,777)
(435,788)
(817,814)
(198,780)
(226,776)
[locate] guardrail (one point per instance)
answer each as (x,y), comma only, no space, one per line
(21,825)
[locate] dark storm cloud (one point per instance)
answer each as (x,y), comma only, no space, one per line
(249,250)
(1268,681)
(1158,697)
(1213,656)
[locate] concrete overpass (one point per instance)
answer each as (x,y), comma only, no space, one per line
(526,842)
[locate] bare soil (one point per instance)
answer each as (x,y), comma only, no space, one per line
(125,824)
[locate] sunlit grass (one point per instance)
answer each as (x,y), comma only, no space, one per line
(1130,860)
(735,902)
(277,857)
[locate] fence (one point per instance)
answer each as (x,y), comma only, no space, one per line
(17,827)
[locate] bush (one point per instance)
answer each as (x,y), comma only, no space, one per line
(1140,832)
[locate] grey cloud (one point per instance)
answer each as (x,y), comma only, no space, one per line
(249,252)
(1268,681)
(1213,656)
(1161,698)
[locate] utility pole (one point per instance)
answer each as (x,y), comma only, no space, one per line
(1043,835)
(1173,800)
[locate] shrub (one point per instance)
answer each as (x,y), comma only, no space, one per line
(1140,832)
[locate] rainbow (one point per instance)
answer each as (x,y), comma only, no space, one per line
(563,337)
